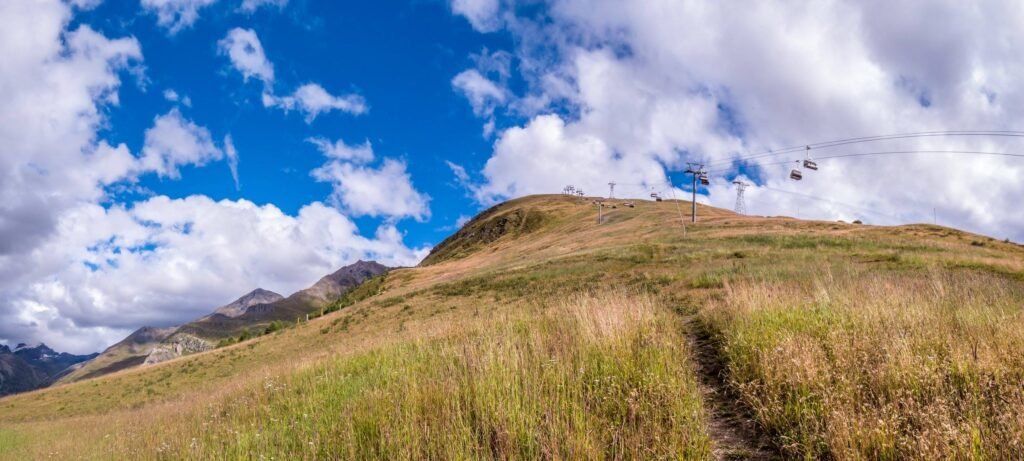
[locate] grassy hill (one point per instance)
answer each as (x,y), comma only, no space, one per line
(534,332)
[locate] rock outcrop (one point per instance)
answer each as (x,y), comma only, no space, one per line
(177,346)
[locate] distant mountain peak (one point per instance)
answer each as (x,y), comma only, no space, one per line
(360,267)
(239,306)
(42,347)
(148,334)
(343,279)
(32,367)
(255,309)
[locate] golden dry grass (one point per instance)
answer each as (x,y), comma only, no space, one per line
(861,365)
(596,376)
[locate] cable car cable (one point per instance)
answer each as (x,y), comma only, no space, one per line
(843,142)
(822,199)
(882,153)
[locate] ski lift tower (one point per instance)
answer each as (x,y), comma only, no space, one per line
(698,173)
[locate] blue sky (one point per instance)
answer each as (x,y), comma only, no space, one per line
(371,130)
(400,56)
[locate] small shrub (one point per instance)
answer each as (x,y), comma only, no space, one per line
(276,325)
(708,280)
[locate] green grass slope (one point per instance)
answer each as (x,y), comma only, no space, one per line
(536,333)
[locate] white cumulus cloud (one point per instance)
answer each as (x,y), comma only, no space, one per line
(559,154)
(244,49)
(312,100)
(232,154)
(483,94)
(385,191)
(163,261)
(55,84)
(250,6)
(175,15)
(174,141)
(482,14)
(340,150)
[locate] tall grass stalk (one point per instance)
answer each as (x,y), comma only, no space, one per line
(868,366)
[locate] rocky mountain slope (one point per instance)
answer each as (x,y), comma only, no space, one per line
(241,305)
(28,368)
(216,327)
(250,312)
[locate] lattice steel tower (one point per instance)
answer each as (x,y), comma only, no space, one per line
(741,206)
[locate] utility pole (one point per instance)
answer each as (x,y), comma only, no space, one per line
(697,171)
(741,206)
(611,190)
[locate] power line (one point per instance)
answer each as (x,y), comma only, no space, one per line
(833,202)
(682,221)
(861,139)
(741,199)
(903,152)
(883,153)
(699,173)
(670,187)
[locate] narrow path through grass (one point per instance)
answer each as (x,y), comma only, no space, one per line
(732,426)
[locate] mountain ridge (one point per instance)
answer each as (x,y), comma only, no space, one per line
(253,310)
(28,368)
(243,303)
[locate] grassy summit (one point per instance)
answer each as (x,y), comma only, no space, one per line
(533,332)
